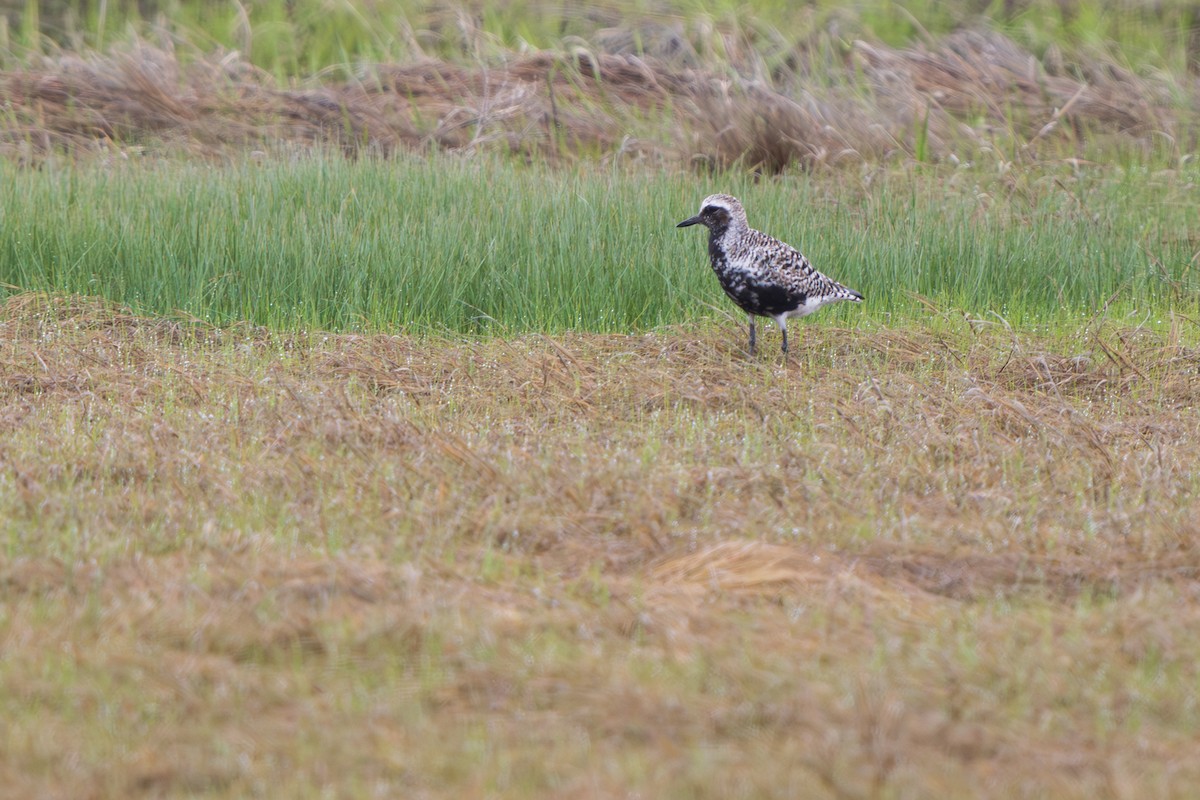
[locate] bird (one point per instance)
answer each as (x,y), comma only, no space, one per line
(762,275)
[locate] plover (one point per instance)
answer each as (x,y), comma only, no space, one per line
(764,276)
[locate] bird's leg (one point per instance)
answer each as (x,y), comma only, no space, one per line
(750,318)
(783,330)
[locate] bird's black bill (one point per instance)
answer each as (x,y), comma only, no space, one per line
(689,221)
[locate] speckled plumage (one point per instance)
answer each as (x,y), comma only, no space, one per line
(764,276)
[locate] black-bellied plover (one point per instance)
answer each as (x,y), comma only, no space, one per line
(764,276)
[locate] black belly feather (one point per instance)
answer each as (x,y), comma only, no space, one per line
(753,297)
(764,300)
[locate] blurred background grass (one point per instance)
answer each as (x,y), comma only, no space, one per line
(301,37)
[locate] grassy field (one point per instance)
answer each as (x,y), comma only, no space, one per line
(766,87)
(481,245)
(937,560)
(367,429)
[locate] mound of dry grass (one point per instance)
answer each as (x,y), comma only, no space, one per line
(949,561)
(974,93)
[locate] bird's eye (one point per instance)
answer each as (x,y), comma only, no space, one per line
(710,210)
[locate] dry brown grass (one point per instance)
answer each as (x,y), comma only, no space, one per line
(974,93)
(935,562)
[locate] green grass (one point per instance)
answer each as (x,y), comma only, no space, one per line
(492,246)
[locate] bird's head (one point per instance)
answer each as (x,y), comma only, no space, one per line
(718,212)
